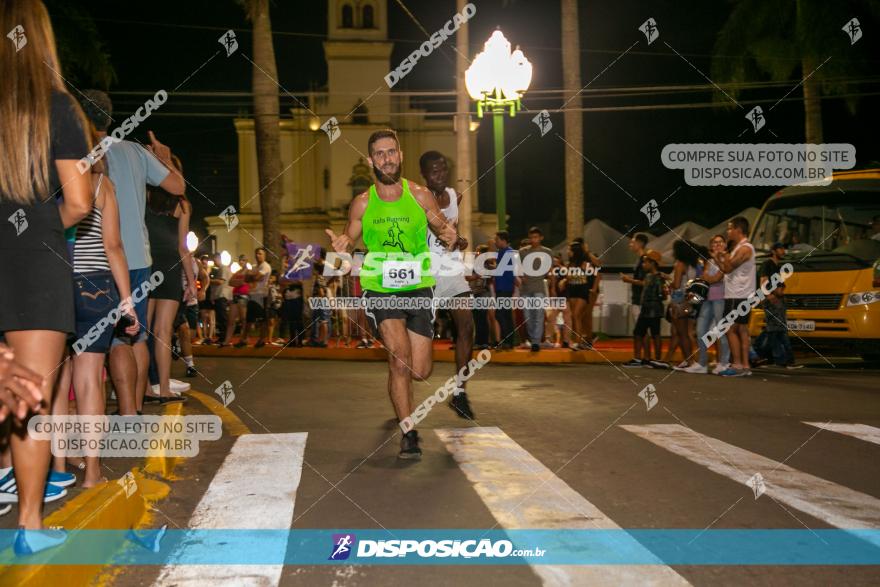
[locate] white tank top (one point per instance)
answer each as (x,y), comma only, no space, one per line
(451,213)
(741,282)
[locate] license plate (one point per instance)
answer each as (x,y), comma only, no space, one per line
(802,325)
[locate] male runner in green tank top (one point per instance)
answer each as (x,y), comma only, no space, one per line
(394,216)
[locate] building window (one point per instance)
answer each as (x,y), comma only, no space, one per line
(360,114)
(347,16)
(368,17)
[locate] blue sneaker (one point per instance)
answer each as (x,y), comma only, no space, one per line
(61,479)
(32,541)
(9,490)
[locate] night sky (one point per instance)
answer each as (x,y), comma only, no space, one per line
(625,145)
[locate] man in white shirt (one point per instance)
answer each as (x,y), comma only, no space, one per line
(740,281)
(258,277)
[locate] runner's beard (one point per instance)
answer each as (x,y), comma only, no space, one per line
(385,177)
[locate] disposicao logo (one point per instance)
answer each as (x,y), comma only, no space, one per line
(342,547)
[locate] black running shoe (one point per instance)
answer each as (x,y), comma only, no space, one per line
(191,372)
(409,446)
(461,406)
(633,363)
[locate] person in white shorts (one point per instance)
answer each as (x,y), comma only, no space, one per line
(449,276)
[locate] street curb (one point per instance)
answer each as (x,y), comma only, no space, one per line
(105,507)
(513,357)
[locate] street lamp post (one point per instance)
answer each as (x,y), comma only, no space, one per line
(496,80)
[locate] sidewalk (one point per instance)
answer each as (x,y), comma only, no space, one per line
(617,350)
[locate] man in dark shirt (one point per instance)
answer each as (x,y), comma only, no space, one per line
(649,318)
(775,319)
(505,281)
(637,245)
(772,264)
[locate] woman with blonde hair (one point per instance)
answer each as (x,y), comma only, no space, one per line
(42,137)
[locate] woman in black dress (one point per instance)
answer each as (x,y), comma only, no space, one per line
(42,136)
(579,284)
(167,220)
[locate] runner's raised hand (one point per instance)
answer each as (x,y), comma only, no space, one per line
(340,243)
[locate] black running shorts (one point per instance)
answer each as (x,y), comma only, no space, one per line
(643,325)
(414,306)
(731,304)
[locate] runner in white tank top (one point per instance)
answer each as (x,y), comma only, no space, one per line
(450,270)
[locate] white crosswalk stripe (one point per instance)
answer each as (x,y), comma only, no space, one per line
(834,504)
(860,431)
(255,489)
(521,493)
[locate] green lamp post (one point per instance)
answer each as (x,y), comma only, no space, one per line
(496,80)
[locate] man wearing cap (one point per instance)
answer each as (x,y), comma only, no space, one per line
(132,167)
(649,315)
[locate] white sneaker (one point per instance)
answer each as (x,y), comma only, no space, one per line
(175,386)
(683,366)
(719,368)
(697,368)
(178,386)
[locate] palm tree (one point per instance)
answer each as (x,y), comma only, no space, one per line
(84,64)
(784,38)
(573,122)
(266,124)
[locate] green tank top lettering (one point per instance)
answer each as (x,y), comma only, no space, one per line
(396,236)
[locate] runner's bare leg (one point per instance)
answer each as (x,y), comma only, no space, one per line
(400,369)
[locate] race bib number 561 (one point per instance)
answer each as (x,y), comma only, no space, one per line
(398,274)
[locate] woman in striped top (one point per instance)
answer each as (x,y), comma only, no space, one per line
(100,277)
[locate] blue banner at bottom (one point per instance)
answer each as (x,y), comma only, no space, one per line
(453,547)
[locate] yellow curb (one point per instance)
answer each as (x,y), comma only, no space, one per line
(232,422)
(163,466)
(519,357)
(104,507)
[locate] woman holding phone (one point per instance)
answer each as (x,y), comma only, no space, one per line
(100,281)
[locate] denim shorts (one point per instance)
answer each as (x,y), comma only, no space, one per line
(95,295)
(137,278)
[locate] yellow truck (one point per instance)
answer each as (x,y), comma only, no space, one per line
(832,238)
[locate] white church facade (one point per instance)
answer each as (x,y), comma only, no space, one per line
(320,177)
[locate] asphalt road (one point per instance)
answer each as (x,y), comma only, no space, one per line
(578,434)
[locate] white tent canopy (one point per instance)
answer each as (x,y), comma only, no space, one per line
(610,245)
(663,243)
(721,228)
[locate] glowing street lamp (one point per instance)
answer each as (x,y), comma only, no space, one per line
(496,80)
(192,242)
(225,258)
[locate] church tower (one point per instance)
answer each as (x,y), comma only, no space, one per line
(358,57)
(321,175)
